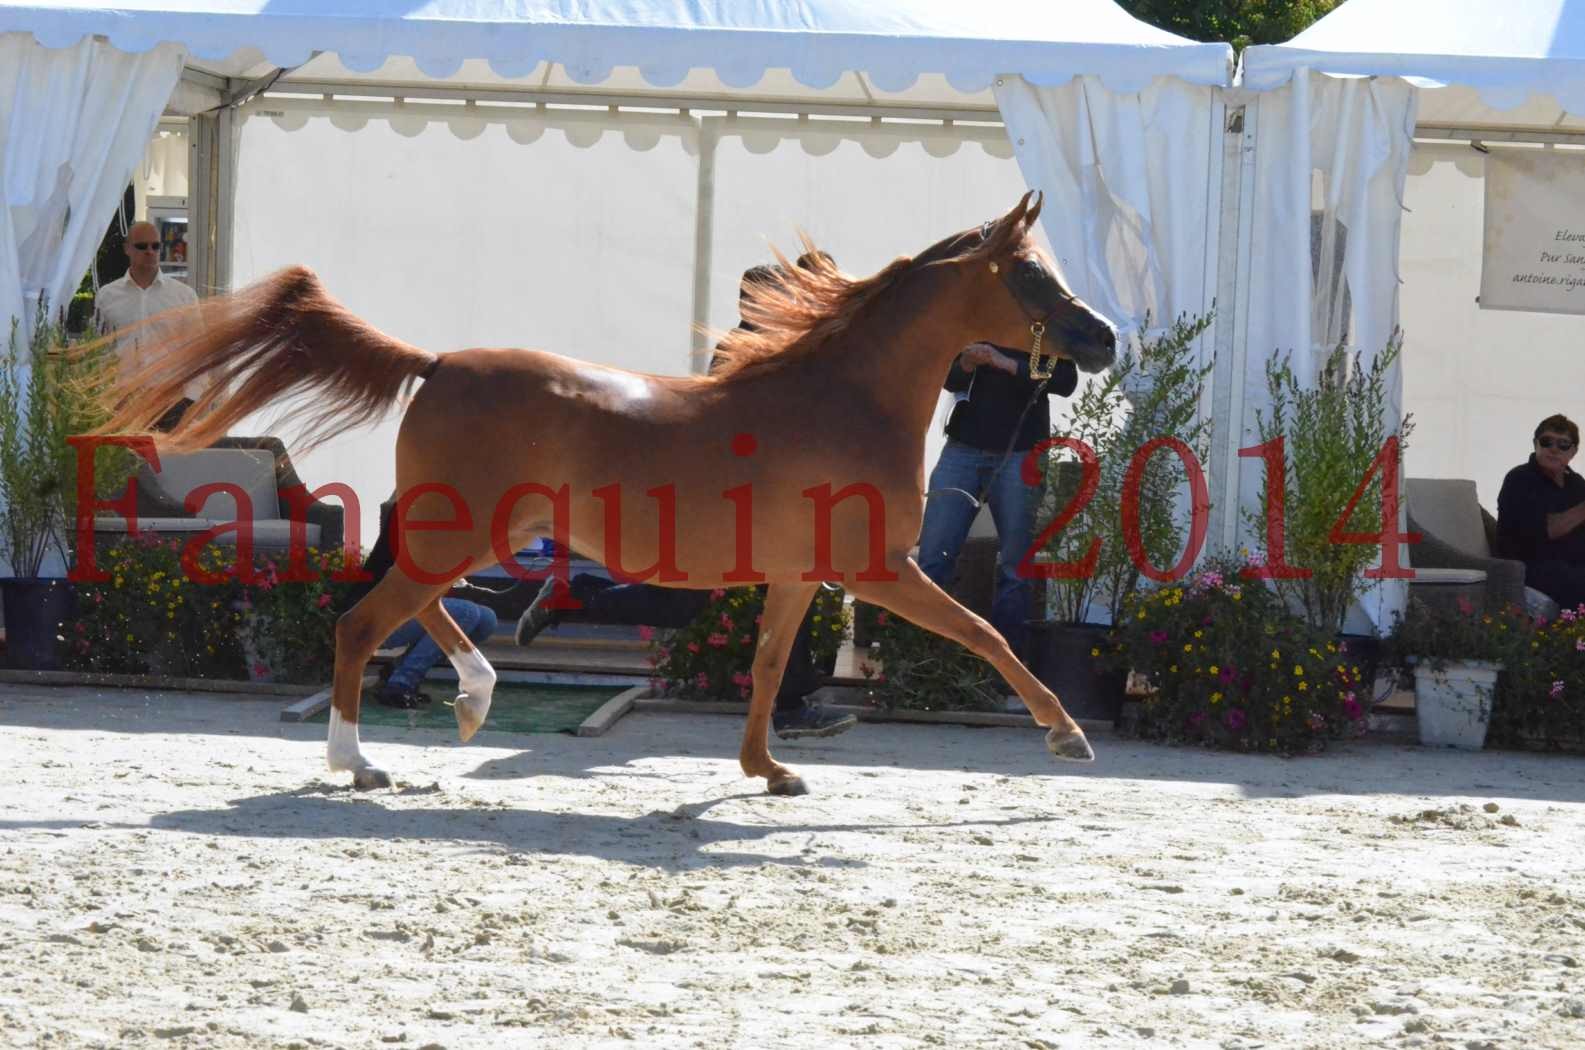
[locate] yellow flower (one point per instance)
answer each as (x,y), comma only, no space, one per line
(1199,634)
(1276,654)
(1215,669)
(1303,686)
(1173,669)
(1095,652)
(1216,698)
(1188,648)
(1298,670)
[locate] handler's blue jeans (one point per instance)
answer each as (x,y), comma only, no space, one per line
(476,621)
(948,516)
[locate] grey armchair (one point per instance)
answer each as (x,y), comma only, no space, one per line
(1458,533)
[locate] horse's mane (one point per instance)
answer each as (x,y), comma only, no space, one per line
(805,306)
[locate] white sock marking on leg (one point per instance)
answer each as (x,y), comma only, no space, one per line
(341,748)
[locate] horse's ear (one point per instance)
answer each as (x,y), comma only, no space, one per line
(1008,227)
(1034,210)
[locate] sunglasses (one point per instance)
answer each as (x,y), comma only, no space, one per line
(1561,444)
(146,246)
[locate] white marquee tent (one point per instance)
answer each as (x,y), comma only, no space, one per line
(382,142)
(1490,76)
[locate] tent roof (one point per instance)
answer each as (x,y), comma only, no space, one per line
(891,41)
(1508,51)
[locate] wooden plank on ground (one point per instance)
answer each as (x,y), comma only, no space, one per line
(611,711)
(309,706)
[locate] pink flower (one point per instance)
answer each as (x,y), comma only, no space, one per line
(1316,721)
(1158,637)
(324,600)
(1235,719)
(701,680)
(746,640)
(693,647)
(742,678)
(726,621)
(718,639)
(1351,707)
(1579,645)
(260,670)
(1466,606)
(665,652)
(646,634)
(717,594)
(1556,692)
(882,618)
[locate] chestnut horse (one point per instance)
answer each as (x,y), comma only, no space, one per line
(801,460)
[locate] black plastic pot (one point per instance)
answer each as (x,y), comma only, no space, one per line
(1059,655)
(34,609)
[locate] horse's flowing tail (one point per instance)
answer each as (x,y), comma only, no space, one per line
(282,335)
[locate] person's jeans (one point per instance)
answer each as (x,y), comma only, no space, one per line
(476,621)
(948,516)
(643,604)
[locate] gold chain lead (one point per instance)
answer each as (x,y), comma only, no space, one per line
(1040,367)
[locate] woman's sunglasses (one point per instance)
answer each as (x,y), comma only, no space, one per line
(1561,444)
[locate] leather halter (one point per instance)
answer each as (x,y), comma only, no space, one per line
(1040,367)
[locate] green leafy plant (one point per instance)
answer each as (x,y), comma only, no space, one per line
(1153,394)
(46,396)
(922,671)
(1228,666)
(1332,432)
(712,658)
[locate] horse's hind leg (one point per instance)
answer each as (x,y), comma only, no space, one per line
(359,632)
(475,676)
(913,597)
(785,604)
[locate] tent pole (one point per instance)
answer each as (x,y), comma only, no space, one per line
(703,242)
(225,200)
(1240,132)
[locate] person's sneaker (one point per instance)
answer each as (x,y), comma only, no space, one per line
(406,698)
(811,719)
(536,617)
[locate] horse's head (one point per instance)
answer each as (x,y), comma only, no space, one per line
(1032,306)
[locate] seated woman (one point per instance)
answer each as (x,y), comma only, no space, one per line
(1540,511)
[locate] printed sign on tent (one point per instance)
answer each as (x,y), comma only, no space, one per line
(1535,232)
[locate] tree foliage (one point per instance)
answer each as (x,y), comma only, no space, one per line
(1240,22)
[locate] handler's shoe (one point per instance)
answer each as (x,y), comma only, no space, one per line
(811,719)
(537,617)
(405,697)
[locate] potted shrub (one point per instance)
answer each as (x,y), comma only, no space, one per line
(1150,395)
(1330,436)
(1226,664)
(1456,653)
(922,671)
(45,397)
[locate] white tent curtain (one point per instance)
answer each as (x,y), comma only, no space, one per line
(1331,160)
(73,125)
(1127,185)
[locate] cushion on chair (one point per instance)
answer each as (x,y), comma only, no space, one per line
(1449,509)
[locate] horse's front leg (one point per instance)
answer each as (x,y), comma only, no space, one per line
(785,605)
(475,676)
(916,599)
(359,632)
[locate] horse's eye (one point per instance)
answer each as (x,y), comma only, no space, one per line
(1030,271)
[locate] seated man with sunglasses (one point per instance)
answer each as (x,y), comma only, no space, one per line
(1541,515)
(133,299)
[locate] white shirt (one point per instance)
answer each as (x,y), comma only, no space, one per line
(122,302)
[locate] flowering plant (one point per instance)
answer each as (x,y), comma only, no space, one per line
(1541,693)
(1440,634)
(149,617)
(712,658)
(1228,665)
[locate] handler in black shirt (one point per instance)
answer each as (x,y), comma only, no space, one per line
(993,387)
(1539,513)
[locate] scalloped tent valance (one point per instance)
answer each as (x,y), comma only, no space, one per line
(1511,54)
(892,41)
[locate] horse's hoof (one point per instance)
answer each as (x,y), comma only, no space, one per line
(470,716)
(370,779)
(788,786)
(1073,746)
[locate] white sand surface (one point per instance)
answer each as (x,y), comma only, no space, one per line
(179,870)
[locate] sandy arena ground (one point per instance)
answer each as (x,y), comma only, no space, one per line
(179,871)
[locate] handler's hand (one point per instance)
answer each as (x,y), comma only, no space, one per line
(976,355)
